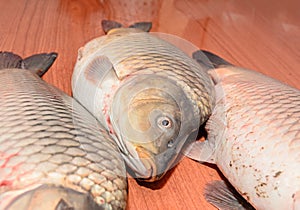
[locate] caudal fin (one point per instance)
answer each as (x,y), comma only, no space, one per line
(144,26)
(108,25)
(209,59)
(10,60)
(38,63)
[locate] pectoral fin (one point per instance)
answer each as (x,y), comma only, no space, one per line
(200,151)
(100,71)
(223,196)
(206,151)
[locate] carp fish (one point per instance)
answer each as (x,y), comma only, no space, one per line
(149,94)
(53,153)
(253,138)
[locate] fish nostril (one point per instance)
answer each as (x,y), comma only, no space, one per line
(170,143)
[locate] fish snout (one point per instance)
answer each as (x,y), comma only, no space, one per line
(157,163)
(50,197)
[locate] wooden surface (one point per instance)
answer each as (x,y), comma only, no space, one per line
(261,35)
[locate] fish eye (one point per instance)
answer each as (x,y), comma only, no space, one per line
(165,122)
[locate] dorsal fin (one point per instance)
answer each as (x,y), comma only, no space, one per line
(200,151)
(213,60)
(108,25)
(38,63)
(144,26)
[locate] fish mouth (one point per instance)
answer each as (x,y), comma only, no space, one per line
(156,169)
(147,159)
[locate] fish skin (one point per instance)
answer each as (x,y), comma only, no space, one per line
(53,153)
(254,136)
(135,54)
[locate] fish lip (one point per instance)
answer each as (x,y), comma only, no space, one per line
(157,170)
(147,158)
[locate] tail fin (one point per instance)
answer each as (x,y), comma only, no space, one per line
(144,26)
(9,60)
(38,63)
(108,25)
(213,59)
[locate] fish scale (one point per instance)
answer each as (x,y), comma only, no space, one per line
(47,138)
(262,145)
(142,51)
(253,138)
(148,93)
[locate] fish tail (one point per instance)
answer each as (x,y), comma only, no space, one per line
(10,60)
(144,26)
(38,63)
(209,59)
(108,25)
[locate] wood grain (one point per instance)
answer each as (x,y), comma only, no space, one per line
(261,35)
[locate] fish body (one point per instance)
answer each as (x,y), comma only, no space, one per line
(53,153)
(149,94)
(254,137)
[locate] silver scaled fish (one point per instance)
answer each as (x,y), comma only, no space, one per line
(253,138)
(54,154)
(149,94)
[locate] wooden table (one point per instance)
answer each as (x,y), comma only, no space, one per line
(261,35)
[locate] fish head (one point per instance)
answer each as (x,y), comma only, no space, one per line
(153,119)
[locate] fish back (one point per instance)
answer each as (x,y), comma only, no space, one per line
(134,52)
